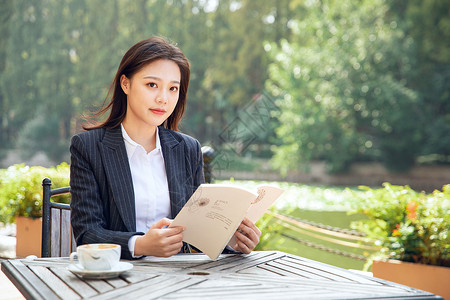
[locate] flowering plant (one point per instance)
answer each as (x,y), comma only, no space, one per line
(407,225)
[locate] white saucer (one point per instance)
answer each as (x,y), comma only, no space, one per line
(114,272)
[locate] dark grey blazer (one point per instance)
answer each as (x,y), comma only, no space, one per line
(103,205)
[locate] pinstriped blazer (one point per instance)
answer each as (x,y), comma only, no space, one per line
(103,205)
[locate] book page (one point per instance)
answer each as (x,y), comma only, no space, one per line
(266,197)
(212,215)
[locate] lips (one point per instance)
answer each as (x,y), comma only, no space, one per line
(158,111)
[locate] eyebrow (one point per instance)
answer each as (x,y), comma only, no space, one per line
(157,78)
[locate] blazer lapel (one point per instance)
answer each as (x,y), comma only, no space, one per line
(118,174)
(174,161)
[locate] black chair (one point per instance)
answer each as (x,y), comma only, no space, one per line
(57,235)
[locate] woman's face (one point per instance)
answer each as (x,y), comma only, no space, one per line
(152,93)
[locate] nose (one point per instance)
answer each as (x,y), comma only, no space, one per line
(162,97)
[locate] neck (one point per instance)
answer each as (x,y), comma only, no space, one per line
(143,135)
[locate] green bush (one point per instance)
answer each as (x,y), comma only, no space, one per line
(409,226)
(270,232)
(21,190)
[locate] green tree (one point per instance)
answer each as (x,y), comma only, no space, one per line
(346,87)
(428,23)
(22,49)
(237,71)
(98,49)
(5,16)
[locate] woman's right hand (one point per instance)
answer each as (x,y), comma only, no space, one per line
(160,241)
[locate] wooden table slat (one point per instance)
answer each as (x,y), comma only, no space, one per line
(100,286)
(237,293)
(117,282)
(82,288)
(248,261)
(26,283)
(277,270)
(182,260)
(152,288)
(174,287)
(45,263)
(332,270)
(125,291)
(232,289)
(137,276)
(306,272)
(259,270)
(154,269)
(54,283)
(333,286)
(221,261)
(231,260)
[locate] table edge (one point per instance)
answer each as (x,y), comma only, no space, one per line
(22,284)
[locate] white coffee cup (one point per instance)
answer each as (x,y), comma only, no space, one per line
(97,257)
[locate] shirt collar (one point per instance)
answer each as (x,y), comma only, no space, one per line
(131,145)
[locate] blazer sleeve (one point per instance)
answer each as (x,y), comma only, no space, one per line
(90,202)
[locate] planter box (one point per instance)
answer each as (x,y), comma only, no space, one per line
(433,279)
(29,236)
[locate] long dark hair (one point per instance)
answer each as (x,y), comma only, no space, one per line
(136,58)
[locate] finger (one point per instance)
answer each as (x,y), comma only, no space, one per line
(243,247)
(175,251)
(252,225)
(161,223)
(243,241)
(173,238)
(173,247)
(235,247)
(167,246)
(165,233)
(248,237)
(247,221)
(169,251)
(174,231)
(253,232)
(173,243)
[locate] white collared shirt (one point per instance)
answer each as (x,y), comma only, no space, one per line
(151,191)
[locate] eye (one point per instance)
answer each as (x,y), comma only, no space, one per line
(152,84)
(174,89)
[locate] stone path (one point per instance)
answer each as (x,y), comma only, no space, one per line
(8,250)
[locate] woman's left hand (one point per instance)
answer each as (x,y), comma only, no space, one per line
(247,236)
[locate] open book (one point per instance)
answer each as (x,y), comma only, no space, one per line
(214,212)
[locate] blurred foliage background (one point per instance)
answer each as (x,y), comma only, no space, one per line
(300,80)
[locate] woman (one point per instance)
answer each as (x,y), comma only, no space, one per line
(134,171)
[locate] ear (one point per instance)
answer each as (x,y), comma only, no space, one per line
(125,83)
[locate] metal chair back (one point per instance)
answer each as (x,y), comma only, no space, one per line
(57,235)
